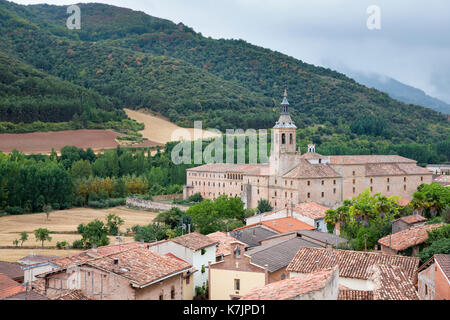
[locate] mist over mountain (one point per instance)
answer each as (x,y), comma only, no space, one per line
(399,91)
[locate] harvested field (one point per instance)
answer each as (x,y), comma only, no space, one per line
(43,142)
(161,130)
(12,255)
(64,224)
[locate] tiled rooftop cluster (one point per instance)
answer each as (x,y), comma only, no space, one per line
(407,238)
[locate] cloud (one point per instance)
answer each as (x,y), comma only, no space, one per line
(413,45)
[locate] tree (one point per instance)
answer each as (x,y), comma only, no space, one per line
(196,198)
(264,206)
(81,169)
(47,209)
(16,243)
(42,235)
(113,222)
(152,232)
(365,219)
(170,218)
(431,198)
(95,233)
(23,237)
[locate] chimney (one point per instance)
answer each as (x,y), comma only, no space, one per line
(266,271)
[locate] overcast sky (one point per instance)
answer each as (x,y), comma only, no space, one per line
(413,45)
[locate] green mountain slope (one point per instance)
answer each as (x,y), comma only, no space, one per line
(318,95)
(136,60)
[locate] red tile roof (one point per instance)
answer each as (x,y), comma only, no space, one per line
(9,287)
(12,270)
(224,243)
(74,295)
(282,225)
(308,170)
(407,238)
(443,260)
(140,266)
(413,219)
(392,283)
(347,294)
(311,210)
(291,288)
(194,241)
(90,254)
(369,159)
(352,264)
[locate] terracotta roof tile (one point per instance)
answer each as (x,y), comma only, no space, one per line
(74,295)
(392,283)
(30,296)
(281,225)
(443,260)
(35,259)
(352,264)
(394,169)
(291,288)
(9,287)
(407,238)
(308,170)
(347,294)
(413,219)
(224,243)
(224,168)
(12,270)
(369,159)
(90,254)
(311,210)
(194,241)
(140,265)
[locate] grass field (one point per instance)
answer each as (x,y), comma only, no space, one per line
(160,130)
(61,222)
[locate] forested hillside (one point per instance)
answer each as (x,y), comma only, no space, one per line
(135,60)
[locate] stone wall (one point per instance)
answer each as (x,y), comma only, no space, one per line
(152,205)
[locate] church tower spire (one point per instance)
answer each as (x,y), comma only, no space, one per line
(284,155)
(285,120)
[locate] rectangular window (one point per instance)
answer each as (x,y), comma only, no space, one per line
(237,284)
(323,194)
(172,293)
(309,195)
(309,183)
(188,280)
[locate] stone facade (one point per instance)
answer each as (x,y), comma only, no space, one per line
(291,178)
(152,205)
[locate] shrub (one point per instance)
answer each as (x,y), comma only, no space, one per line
(196,198)
(116,202)
(79,201)
(97,204)
(77,244)
(56,206)
(14,210)
(61,245)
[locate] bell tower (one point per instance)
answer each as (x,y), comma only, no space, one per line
(284,155)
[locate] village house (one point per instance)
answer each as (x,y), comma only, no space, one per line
(281,225)
(12,270)
(355,267)
(223,246)
(33,265)
(291,178)
(405,223)
(434,278)
(321,285)
(408,241)
(310,213)
(242,271)
(194,248)
(132,274)
(252,236)
(324,240)
(9,287)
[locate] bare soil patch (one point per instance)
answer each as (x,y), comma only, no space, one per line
(43,142)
